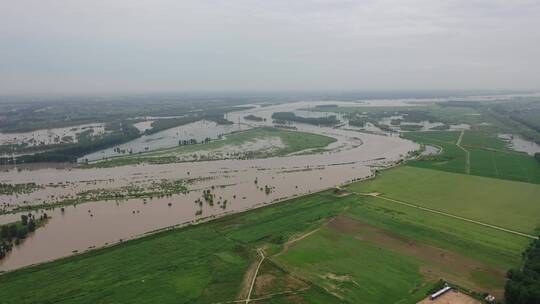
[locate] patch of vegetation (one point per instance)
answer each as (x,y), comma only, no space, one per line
(523,286)
(524,116)
(14,233)
(164,124)
(10,189)
(253,117)
(404,127)
(443,127)
(158,189)
(290,116)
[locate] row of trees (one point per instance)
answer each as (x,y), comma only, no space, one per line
(120,133)
(14,233)
(192,141)
(290,116)
(523,286)
(254,118)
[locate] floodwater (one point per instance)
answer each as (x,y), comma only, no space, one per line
(166,139)
(520,144)
(430,150)
(50,136)
(96,224)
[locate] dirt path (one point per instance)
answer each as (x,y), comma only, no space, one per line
(261,253)
(467,154)
(294,240)
(377,195)
(249,281)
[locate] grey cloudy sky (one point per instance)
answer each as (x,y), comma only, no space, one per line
(71,46)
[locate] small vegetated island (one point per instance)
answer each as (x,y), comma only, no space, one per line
(253,143)
(253,118)
(290,116)
(14,233)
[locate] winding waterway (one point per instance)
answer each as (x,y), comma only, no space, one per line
(96,224)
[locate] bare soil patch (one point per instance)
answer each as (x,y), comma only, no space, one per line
(438,263)
(451,297)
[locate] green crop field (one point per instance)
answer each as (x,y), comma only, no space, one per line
(355,270)
(509,204)
(482,139)
(488,155)
(319,249)
(452,158)
(293,142)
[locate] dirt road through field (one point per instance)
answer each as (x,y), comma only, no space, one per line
(467,154)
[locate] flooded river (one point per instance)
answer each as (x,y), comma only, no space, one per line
(96,224)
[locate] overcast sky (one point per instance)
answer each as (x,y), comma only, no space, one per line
(75,46)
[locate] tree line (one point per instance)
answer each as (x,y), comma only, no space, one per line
(523,285)
(122,133)
(14,233)
(290,116)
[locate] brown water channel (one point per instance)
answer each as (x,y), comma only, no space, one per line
(96,224)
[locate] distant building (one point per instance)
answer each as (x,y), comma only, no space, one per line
(440,292)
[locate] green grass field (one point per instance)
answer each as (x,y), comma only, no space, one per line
(452,159)
(489,156)
(355,270)
(293,142)
(357,249)
(483,139)
(509,204)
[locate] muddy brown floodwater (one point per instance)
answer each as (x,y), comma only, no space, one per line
(97,224)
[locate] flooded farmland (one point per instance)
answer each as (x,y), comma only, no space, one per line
(520,144)
(46,137)
(235,185)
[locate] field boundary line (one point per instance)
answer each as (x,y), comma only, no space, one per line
(376,195)
(467,154)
